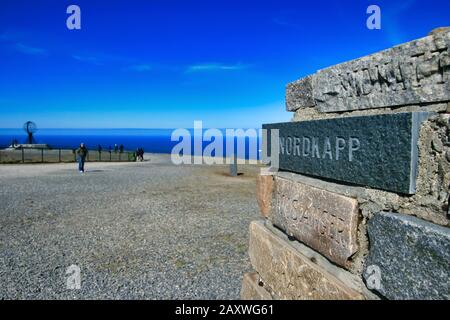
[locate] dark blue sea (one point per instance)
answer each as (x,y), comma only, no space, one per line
(152,140)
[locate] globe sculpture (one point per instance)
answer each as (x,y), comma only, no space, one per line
(30,128)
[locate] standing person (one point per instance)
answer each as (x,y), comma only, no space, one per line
(81,157)
(99,148)
(115,148)
(121,148)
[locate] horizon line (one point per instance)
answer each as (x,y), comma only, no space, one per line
(133,128)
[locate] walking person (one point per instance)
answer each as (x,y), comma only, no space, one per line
(81,157)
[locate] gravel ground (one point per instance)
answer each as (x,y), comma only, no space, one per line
(147,230)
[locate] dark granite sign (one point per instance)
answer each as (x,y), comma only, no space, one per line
(376,151)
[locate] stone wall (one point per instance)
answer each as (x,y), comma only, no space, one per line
(374,225)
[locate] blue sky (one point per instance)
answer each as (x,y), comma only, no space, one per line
(164,64)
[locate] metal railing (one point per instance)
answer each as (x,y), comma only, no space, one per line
(56,155)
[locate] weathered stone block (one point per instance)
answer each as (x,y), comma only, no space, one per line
(377,151)
(409,258)
(288,273)
(412,73)
(251,290)
(264,191)
(323,220)
(299,94)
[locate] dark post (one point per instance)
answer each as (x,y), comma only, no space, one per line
(59,155)
(99,156)
(110,156)
(42,155)
(23,156)
(120,153)
(233,166)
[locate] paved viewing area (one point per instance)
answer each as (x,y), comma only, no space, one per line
(147,230)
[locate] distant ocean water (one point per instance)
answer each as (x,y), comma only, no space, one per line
(152,140)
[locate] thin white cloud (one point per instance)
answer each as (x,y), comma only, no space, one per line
(20,47)
(140,67)
(88,59)
(101,59)
(205,67)
(12,41)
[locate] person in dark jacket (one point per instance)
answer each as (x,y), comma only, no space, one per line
(81,157)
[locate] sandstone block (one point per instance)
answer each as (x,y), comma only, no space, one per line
(252,290)
(323,220)
(288,273)
(264,191)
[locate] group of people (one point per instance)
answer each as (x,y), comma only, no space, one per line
(116,148)
(82,153)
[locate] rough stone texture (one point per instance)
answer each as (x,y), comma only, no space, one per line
(264,191)
(299,94)
(325,221)
(439,30)
(288,273)
(413,257)
(314,114)
(252,288)
(412,73)
(376,151)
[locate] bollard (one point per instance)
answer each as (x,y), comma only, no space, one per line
(233,167)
